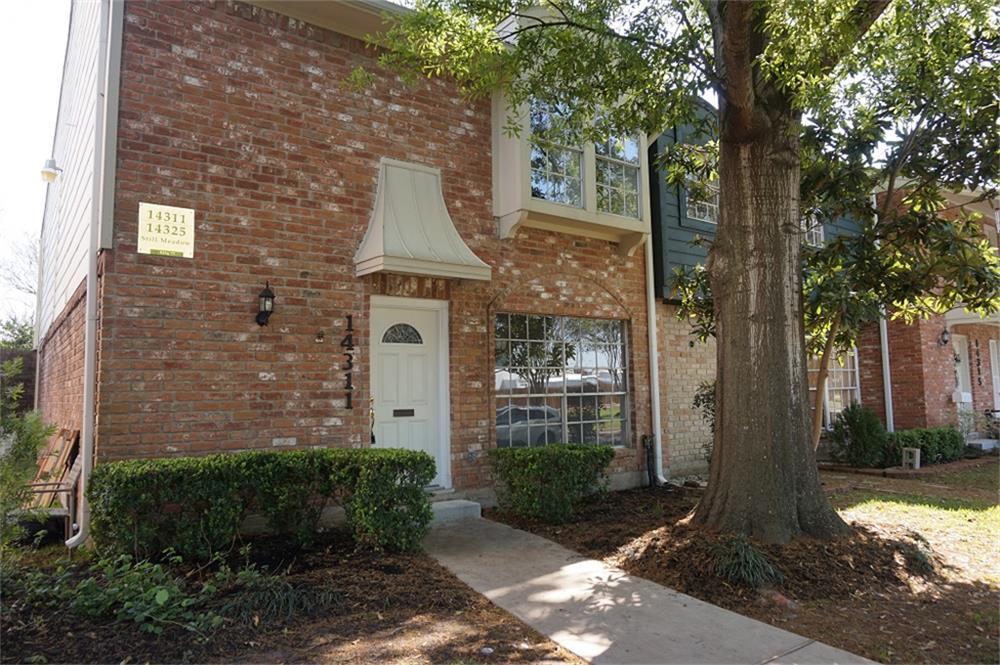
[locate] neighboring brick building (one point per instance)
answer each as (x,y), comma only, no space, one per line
(374,206)
(945,371)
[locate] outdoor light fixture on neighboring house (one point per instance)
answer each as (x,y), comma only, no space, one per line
(50,171)
(266,305)
(945,337)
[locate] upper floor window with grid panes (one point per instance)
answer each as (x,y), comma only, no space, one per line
(617,162)
(556,169)
(703,202)
(813,232)
(563,173)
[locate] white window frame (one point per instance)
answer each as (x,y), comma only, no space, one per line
(624,394)
(514,207)
(813,231)
(856,388)
(711,204)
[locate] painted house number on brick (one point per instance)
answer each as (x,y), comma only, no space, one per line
(166,230)
(348,344)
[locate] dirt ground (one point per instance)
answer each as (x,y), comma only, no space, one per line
(390,609)
(917,581)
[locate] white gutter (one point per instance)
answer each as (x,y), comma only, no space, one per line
(102,207)
(654,360)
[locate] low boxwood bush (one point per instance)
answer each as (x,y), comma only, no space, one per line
(858,437)
(936,444)
(195,505)
(387,504)
(548,482)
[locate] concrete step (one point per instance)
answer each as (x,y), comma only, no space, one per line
(984,444)
(453,510)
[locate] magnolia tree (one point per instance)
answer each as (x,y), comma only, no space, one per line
(913,262)
(819,101)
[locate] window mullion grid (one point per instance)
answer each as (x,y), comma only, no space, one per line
(589,176)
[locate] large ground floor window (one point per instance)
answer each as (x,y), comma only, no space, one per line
(843,386)
(560,379)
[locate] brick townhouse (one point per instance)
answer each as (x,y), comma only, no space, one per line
(944,370)
(244,246)
(437,284)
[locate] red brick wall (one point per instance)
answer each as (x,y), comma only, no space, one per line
(60,360)
(245,117)
(938,374)
(923,371)
(870,370)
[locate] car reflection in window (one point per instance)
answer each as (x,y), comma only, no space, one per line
(528,426)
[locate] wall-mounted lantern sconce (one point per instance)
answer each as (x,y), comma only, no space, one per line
(266,307)
(50,171)
(945,337)
(320,337)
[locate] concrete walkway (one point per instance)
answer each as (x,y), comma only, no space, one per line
(603,614)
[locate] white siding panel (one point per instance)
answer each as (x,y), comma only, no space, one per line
(68,203)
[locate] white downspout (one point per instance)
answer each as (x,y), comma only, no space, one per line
(883,333)
(654,360)
(100,209)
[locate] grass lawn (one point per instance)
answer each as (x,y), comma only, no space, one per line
(919,581)
(983,477)
(384,608)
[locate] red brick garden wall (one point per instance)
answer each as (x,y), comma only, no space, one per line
(245,116)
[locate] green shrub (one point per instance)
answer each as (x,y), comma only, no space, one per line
(951,444)
(193,504)
(548,482)
(858,438)
(146,593)
(387,505)
(737,561)
(196,505)
(937,445)
(704,401)
(22,436)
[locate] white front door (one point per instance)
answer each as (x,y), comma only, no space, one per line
(995,370)
(963,373)
(409,378)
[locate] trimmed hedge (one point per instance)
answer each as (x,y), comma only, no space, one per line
(936,444)
(195,505)
(548,482)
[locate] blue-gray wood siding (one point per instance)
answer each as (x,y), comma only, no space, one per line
(679,241)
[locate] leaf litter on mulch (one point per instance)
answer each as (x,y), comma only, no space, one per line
(386,607)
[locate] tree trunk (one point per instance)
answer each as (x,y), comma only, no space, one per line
(821,376)
(763,480)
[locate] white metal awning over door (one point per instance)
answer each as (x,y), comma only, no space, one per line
(411,232)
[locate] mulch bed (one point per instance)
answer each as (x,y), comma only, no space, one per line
(873,593)
(391,608)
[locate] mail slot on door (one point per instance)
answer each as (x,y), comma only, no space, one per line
(401,413)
